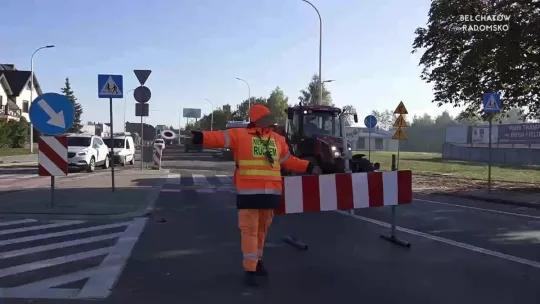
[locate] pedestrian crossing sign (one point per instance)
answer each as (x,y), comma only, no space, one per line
(110,86)
(492,103)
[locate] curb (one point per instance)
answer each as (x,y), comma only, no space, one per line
(492,200)
(145,211)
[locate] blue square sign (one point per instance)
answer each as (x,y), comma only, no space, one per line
(110,86)
(492,103)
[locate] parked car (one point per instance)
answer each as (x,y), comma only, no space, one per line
(86,151)
(123,148)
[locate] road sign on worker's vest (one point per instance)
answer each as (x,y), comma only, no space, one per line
(400,134)
(400,122)
(401,109)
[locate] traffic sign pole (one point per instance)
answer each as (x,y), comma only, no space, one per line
(112,145)
(142,95)
(111,86)
(492,105)
(370,121)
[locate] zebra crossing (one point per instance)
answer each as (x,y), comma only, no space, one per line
(66,259)
(200,183)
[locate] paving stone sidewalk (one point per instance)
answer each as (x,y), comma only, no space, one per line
(90,197)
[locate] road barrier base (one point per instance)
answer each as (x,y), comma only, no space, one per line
(394,240)
(295,242)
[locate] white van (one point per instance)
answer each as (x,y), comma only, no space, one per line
(123,148)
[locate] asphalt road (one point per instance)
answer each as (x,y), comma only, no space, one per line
(462,251)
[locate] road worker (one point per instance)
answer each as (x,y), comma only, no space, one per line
(259,154)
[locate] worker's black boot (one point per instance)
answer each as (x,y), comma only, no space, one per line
(250,279)
(261,270)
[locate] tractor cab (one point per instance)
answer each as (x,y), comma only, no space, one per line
(316,133)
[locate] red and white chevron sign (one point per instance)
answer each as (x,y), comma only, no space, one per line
(53,156)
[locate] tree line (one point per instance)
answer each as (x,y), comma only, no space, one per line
(277,102)
(428,134)
(15,133)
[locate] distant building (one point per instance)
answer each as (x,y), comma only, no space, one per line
(15,91)
(380,140)
(99,129)
(149,131)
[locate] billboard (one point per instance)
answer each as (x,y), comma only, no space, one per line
(191,113)
(480,135)
(528,133)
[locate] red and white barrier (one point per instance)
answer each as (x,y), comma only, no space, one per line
(53,156)
(345,191)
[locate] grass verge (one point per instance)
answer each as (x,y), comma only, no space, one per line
(432,163)
(14,151)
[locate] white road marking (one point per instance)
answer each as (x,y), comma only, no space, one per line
(476,208)
(173,179)
(61,233)
(54,261)
(447,241)
(199,179)
(224,179)
(99,238)
(55,225)
(101,283)
(3,224)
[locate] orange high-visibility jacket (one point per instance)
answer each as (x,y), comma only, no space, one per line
(258,182)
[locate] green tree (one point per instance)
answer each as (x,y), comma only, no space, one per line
(220,120)
(278,103)
(462,65)
(349,119)
(68,92)
(14,134)
(310,95)
(385,119)
(241,112)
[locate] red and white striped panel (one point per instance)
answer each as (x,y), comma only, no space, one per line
(53,156)
(345,191)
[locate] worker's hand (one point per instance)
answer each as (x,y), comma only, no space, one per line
(317,170)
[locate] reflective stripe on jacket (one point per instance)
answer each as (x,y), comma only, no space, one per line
(255,174)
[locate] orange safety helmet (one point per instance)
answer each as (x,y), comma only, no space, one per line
(257,111)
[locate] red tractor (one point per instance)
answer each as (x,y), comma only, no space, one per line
(316,133)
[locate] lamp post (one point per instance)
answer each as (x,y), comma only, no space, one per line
(212,117)
(125,103)
(32,91)
(249,94)
(320,50)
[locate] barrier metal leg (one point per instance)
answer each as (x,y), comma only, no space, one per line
(392,238)
(291,240)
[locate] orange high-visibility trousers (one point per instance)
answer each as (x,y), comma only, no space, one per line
(253,224)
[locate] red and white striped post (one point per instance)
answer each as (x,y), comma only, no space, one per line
(53,159)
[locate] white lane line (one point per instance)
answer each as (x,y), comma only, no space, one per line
(171,190)
(476,208)
(53,262)
(447,241)
(199,179)
(3,224)
(173,179)
(25,251)
(224,179)
(38,288)
(61,233)
(101,283)
(32,228)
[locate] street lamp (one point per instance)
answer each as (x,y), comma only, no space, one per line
(32,91)
(249,95)
(326,81)
(320,50)
(125,102)
(212,117)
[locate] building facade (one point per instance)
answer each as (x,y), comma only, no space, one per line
(15,88)
(379,140)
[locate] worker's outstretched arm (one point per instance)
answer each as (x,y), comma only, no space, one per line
(292,163)
(215,139)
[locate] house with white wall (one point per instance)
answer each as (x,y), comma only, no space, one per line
(378,140)
(15,88)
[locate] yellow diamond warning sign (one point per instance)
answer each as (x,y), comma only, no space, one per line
(400,134)
(400,122)
(401,109)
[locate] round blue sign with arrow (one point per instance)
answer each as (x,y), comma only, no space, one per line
(52,114)
(370,121)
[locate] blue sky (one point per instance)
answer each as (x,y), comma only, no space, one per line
(196,48)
